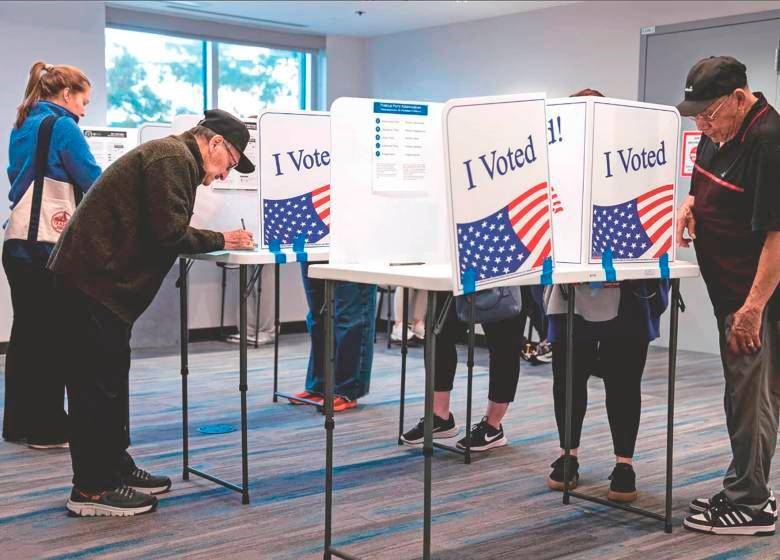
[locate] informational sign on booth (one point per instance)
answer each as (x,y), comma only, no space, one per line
(244,181)
(400,133)
(294,196)
(497,188)
(690,144)
(108,144)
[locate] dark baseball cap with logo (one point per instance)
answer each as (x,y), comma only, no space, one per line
(233,130)
(709,79)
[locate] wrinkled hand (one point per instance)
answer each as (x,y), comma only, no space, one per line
(745,334)
(685,220)
(238,239)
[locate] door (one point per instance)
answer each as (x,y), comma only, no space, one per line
(668,53)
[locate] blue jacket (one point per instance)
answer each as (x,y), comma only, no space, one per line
(70,160)
(642,302)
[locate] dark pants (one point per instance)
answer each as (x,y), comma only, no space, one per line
(504,340)
(34,386)
(96,371)
(752,403)
(353,319)
(621,362)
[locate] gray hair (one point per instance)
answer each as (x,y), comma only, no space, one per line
(202,132)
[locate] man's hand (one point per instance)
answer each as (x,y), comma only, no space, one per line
(238,239)
(685,220)
(745,334)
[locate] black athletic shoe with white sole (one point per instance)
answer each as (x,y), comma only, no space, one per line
(142,481)
(483,437)
(702,504)
(723,518)
(120,502)
(441,429)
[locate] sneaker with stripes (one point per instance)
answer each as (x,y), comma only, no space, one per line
(701,504)
(723,518)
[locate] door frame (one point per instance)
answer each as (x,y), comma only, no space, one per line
(646,32)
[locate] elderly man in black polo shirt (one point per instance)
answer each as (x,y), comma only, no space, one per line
(733,216)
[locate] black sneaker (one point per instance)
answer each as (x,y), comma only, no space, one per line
(120,502)
(555,480)
(142,481)
(723,518)
(441,429)
(623,485)
(483,437)
(702,504)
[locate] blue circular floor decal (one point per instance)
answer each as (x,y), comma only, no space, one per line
(217,429)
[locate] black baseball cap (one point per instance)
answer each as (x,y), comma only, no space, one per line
(233,130)
(709,79)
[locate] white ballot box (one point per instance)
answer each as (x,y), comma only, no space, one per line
(499,207)
(387,187)
(108,144)
(294,195)
(613,174)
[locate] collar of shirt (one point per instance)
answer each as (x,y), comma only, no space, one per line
(53,108)
(192,143)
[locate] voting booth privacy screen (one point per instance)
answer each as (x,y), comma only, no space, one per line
(499,205)
(613,172)
(387,193)
(294,195)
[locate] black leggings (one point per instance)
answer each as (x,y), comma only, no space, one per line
(621,362)
(504,340)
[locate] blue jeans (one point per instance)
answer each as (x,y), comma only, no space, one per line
(354,324)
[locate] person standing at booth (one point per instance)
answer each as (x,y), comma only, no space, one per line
(613,326)
(50,167)
(112,258)
(732,214)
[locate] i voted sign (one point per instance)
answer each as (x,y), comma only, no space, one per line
(294,195)
(497,188)
(633,181)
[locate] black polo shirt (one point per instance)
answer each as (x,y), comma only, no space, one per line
(737,200)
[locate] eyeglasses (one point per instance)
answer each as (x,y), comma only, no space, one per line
(711,117)
(233,161)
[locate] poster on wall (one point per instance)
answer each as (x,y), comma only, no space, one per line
(497,186)
(244,181)
(108,144)
(633,181)
(690,144)
(294,196)
(400,134)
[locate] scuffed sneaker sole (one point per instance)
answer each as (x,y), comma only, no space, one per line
(151,491)
(763,531)
(622,497)
(88,509)
(556,485)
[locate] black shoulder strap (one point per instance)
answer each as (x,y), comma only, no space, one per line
(41,158)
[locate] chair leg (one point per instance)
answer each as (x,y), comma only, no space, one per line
(389,312)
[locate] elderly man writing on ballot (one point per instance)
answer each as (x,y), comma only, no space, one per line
(733,217)
(112,259)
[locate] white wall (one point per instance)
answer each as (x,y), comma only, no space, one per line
(559,50)
(346,68)
(57,32)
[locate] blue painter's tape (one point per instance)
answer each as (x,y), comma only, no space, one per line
(275,246)
(299,246)
(547,270)
(281,258)
(302,257)
(217,429)
(469,281)
(663,264)
(608,266)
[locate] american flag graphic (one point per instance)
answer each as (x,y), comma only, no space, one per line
(307,214)
(517,236)
(640,228)
(556,202)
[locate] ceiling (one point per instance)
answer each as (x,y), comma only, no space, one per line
(338,17)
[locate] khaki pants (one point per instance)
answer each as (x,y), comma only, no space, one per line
(752,403)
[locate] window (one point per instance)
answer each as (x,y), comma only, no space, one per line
(153,77)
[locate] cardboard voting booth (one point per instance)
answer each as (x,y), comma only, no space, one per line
(499,207)
(613,174)
(387,193)
(294,195)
